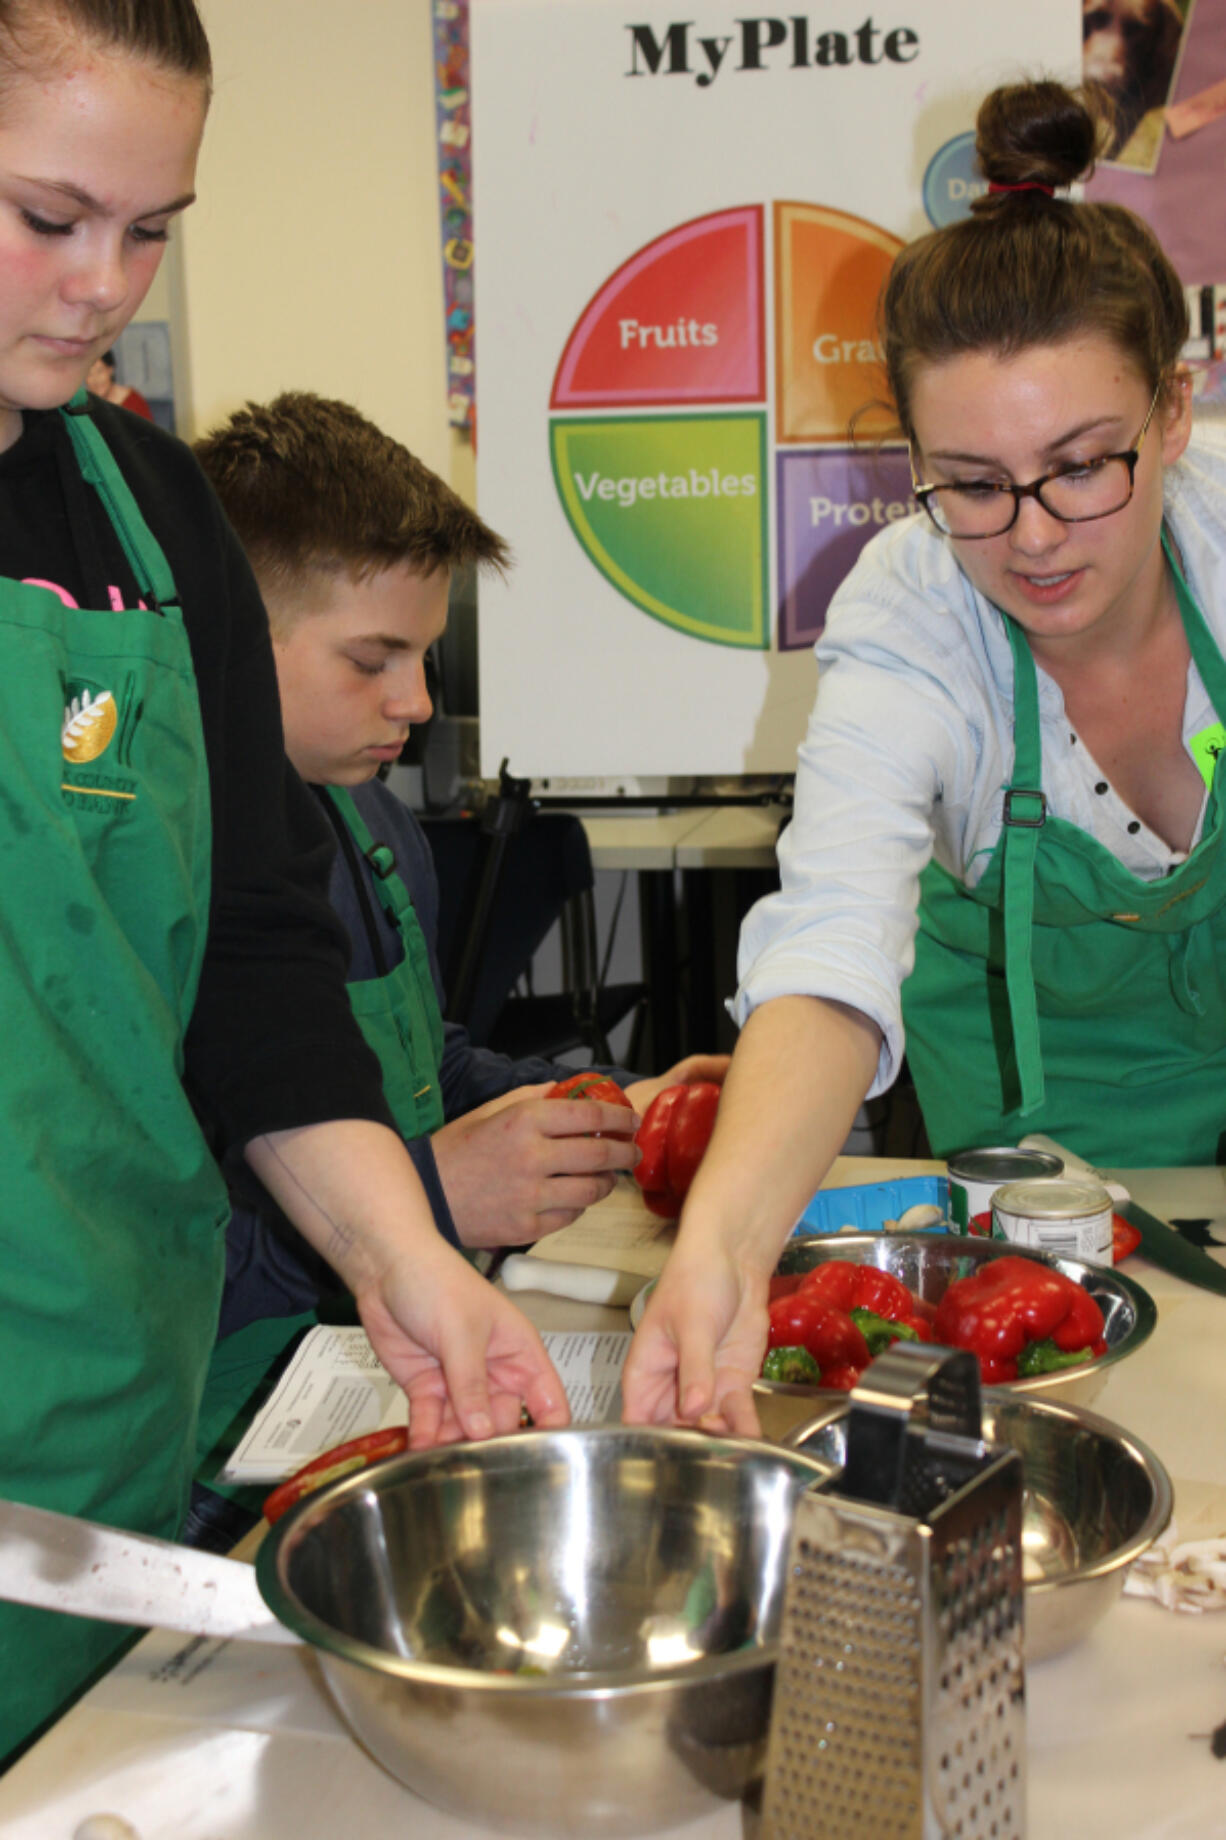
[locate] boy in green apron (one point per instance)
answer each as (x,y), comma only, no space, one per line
(353,541)
(1009,830)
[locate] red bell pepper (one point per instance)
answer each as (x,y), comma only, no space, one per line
(806,1321)
(1010,1303)
(673,1138)
(880,1331)
(850,1286)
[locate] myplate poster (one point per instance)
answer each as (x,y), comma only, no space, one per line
(682,219)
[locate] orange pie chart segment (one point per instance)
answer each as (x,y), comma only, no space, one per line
(829,269)
(680,322)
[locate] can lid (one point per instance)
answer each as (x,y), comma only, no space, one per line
(1057,1198)
(1006,1164)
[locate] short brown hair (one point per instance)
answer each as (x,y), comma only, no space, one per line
(1028,269)
(309,484)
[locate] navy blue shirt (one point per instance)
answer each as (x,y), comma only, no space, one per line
(270,1269)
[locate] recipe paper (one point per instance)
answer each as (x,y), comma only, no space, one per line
(335,1389)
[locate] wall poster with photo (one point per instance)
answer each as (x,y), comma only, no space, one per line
(1170,168)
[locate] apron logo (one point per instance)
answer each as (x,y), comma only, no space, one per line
(89,724)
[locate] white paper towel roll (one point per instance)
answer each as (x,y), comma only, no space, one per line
(583,1283)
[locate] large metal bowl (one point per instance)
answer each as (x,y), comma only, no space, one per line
(928,1263)
(555,1633)
(1094,1499)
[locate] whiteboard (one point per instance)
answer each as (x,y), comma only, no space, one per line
(681,223)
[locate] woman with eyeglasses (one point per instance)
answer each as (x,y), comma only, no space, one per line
(1007,846)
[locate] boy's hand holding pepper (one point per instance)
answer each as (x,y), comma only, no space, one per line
(525,1165)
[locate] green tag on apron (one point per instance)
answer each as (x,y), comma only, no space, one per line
(1205,749)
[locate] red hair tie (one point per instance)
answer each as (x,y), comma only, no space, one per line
(1030,185)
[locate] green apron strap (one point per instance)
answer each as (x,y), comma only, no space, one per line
(1025,813)
(399,1012)
(100,470)
(394,897)
(1205,654)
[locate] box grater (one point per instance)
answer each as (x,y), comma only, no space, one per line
(899,1708)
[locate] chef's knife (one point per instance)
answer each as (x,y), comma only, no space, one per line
(58,1562)
(1160,1243)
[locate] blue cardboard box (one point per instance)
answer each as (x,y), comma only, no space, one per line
(867,1207)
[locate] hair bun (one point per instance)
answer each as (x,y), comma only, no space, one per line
(1039,134)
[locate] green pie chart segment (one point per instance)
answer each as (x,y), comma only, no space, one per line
(672,510)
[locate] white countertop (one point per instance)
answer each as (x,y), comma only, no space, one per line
(205,1741)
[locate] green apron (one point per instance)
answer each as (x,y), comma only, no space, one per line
(398,1013)
(112,1203)
(1062,994)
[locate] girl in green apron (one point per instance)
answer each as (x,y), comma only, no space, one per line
(1008,829)
(173,980)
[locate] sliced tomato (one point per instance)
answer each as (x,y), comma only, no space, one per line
(358,1453)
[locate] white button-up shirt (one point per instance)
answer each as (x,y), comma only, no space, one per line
(910,745)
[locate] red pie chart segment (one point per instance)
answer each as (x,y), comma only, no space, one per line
(681,321)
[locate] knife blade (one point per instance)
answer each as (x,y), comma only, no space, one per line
(57,1562)
(1160,1243)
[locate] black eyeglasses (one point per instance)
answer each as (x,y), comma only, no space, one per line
(1074,495)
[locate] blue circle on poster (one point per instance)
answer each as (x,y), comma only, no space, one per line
(952,180)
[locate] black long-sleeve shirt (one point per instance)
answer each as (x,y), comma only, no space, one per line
(272,1042)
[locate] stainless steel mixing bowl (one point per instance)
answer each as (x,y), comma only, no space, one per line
(555,1633)
(1095,1498)
(928,1263)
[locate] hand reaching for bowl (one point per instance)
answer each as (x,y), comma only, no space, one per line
(466,1357)
(699,1347)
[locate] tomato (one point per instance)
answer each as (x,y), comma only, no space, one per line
(589,1084)
(1125,1238)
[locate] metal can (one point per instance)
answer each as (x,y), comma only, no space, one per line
(1069,1217)
(975,1176)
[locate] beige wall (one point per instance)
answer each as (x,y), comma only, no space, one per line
(311,260)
